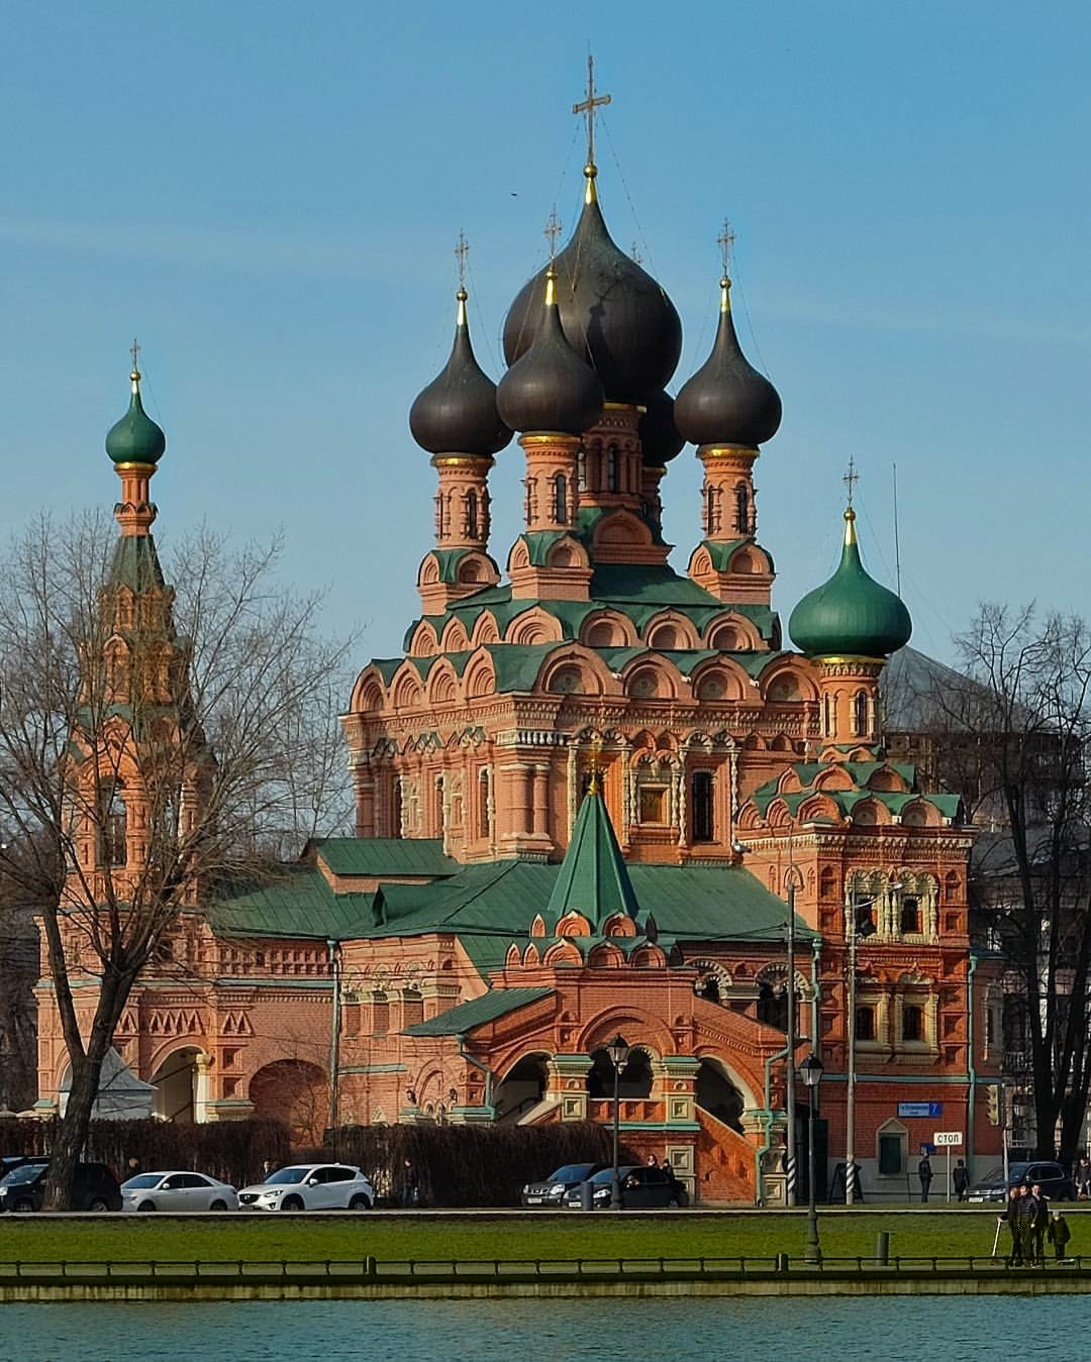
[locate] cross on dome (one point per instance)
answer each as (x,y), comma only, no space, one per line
(587,107)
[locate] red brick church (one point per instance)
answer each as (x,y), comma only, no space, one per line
(582,795)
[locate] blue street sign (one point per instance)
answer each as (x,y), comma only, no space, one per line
(920,1109)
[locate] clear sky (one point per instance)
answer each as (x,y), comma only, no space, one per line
(268,195)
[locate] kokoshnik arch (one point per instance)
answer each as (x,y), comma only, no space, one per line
(581,793)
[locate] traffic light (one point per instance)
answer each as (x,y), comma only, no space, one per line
(993,1091)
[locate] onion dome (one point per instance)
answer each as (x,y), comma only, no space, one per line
(659,438)
(136,438)
(456,413)
(613,313)
(727,402)
(549,388)
(851,615)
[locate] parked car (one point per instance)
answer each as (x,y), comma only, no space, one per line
(551,1190)
(9,1163)
(311,1187)
(94,1188)
(1055,1182)
(177,1191)
(642,1188)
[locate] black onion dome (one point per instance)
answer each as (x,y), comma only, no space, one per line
(727,402)
(659,438)
(612,311)
(456,413)
(549,387)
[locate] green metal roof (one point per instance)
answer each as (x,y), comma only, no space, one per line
(593,879)
(498,1002)
(300,905)
(135,563)
(379,856)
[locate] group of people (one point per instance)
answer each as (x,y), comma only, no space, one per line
(1030,1224)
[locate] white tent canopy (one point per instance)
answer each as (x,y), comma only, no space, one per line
(121,1095)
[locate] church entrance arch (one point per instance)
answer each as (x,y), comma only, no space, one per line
(180,1084)
(522,1088)
(295,1092)
(634,1081)
(718,1095)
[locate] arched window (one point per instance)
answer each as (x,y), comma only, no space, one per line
(827,716)
(859,714)
(613,471)
(396,808)
(701,797)
(712,510)
(437,807)
(865,1023)
(742,509)
(773,1007)
(910,914)
(912,1022)
(484,822)
(471,515)
(560,499)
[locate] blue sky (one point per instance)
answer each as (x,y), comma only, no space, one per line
(268,195)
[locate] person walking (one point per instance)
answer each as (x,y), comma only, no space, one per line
(1012,1217)
(960,1179)
(408,1185)
(924,1172)
(1059,1235)
(1082,1178)
(1038,1223)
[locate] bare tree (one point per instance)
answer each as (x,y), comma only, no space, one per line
(157,745)
(1011,733)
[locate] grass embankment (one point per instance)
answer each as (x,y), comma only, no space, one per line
(274,1238)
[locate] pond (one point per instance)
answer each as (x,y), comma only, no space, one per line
(912,1329)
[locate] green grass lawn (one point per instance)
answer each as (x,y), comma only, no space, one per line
(276,1237)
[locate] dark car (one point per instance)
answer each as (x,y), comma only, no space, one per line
(643,1187)
(551,1190)
(1055,1182)
(94,1188)
(10,1162)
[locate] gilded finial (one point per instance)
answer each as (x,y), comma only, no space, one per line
(551,286)
(134,377)
(462,250)
(594,784)
(587,107)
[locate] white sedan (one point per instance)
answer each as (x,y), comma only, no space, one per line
(311,1187)
(177,1191)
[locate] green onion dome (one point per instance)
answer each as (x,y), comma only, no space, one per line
(136,438)
(614,314)
(549,388)
(727,402)
(851,615)
(659,438)
(456,413)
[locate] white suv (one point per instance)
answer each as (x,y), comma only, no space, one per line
(311,1187)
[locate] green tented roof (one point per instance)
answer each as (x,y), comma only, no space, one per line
(135,563)
(384,855)
(594,879)
(498,1002)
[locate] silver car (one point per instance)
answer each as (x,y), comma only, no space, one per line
(179,1190)
(311,1187)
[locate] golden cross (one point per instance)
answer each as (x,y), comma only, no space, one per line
(462,250)
(725,241)
(851,478)
(552,231)
(588,106)
(134,350)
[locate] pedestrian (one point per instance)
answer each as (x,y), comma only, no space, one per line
(1082,1178)
(1038,1218)
(652,1161)
(1012,1216)
(960,1178)
(924,1172)
(1059,1235)
(1024,1224)
(133,1166)
(408,1185)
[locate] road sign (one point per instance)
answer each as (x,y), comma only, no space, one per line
(911,1109)
(950,1139)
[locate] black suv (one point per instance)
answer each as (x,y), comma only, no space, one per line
(1055,1183)
(94,1188)
(643,1188)
(551,1190)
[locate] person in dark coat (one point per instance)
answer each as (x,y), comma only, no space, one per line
(960,1179)
(408,1185)
(1059,1234)
(1037,1223)
(924,1172)
(1013,1218)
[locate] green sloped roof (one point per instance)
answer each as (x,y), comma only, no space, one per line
(593,879)
(384,855)
(720,552)
(301,904)
(135,563)
(498,1002)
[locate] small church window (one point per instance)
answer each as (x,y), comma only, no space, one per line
(912,1022)
(910,915)
(701,793)
(472,524)
(865,1023)
(613,471)
(860,714)
(560,499)
(114,849)
(742,509)
(653,804)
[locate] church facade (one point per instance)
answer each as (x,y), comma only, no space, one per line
(587,793)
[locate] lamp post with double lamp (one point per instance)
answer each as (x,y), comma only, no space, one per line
(792,879)
(811,1073)
(857,928)
(618,1050)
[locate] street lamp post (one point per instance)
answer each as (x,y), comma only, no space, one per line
(618,1050)
(790,1102)
(811,1073)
